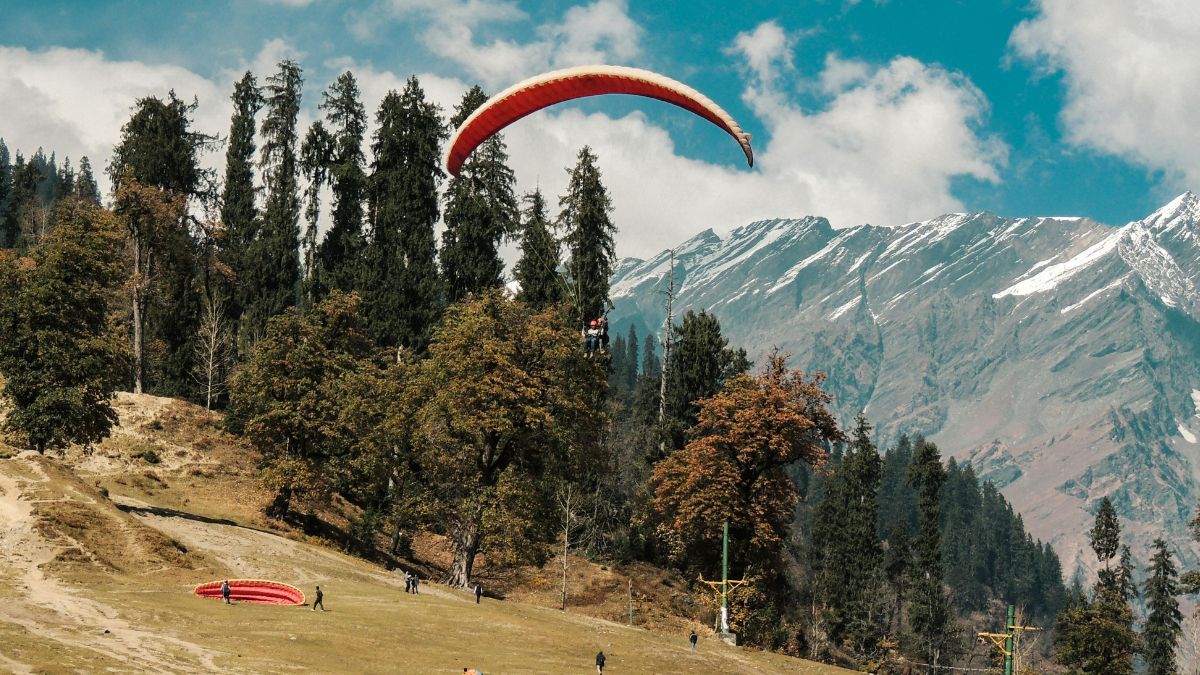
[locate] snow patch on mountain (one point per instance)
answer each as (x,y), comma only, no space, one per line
(1049,278)
(1093,295)
(1187,435)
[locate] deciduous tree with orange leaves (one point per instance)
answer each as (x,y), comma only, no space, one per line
(733,468)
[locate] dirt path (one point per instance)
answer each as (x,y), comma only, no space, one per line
(47,607)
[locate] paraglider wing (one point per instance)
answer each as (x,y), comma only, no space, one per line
(554,87)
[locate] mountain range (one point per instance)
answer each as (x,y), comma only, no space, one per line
(1057,355)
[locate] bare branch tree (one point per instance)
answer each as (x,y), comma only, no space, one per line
(212,347)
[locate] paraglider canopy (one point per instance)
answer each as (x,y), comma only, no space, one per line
(547,89)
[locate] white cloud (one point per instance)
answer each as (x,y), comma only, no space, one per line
(765,49)
(601,32)
(1131,71)
(74,101)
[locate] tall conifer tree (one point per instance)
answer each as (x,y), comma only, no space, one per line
(8,238)
(701,361)
(277,256)
(931,615)
(537,270)
(339,256)
(404,295)
(584,217)
(239,249)
(1164,623)
(315,158)
(85,184)
(481,210)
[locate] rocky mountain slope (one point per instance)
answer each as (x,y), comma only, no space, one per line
(1058,355)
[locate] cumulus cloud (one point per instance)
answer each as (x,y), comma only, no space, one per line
(881,146)
(74,101)
(1130,70)
(601,32)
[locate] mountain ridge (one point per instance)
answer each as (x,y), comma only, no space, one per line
(1057,354)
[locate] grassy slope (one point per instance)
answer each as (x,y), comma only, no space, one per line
(73,566)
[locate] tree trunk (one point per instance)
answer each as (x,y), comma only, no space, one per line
(466,545)
(281,504)
(139,310)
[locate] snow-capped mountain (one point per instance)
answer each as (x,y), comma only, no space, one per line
(1059,355)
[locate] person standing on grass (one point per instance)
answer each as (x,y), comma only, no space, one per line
(693,639)
(416,583)
(225,591)
(407,582)
(600,662)
(478,593)
(319,601)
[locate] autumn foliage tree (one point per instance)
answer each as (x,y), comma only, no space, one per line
(505,392)
(733,468)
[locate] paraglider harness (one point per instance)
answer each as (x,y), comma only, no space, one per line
(595,336)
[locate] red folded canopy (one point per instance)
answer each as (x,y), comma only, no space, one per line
(254,590)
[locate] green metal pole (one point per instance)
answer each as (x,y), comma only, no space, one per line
(1008,642)
(631,602)
(725,579)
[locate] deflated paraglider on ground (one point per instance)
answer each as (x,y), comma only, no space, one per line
(254,590)
(545,90)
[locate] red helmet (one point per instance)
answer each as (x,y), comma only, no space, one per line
(595,322)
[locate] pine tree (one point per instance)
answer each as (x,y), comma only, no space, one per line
(239,249)
(1105,538)
(481,210)
(864,469)
(315,157)
(630,374)
(1098,637)
(339,256)
(61,359)
(542,285)
(404,295)
(931,615)
(701,361)
(85,184)
(8,238)
(276,257)
(584,217)
(1164,623)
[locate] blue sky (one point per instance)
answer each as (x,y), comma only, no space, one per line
(880,111)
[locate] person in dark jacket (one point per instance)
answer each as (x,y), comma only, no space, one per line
(319,601)
(416,583)
(225,591)
(478,593)
(600,662)
(693,639)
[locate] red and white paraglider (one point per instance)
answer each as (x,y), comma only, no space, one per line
(545,90)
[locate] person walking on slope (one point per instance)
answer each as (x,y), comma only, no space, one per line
(478,593)
(319,600)
(600,662)
(225,591)
(407,582)
(693,639)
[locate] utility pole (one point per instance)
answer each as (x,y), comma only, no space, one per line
(1007,642)
(724,588)
(668,324)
